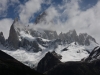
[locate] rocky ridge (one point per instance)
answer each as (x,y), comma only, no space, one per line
(31,40)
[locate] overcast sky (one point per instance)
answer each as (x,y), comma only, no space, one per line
(82,15)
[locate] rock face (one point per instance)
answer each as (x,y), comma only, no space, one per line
(40,18)
(76,68)
(84,39)
(51,34)
(48,62)
(46,34)
(2,39)
(10,66)
(13,39)
(94,55)
(65,49)
(69,37)
(30,45)
(57,55)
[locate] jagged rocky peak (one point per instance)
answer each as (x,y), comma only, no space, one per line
(41,18)
(85,39)
(51,34)
(62,36)
(2,39)
(18,26)
(69,37)
(13,38)
(72,32)
(15,23)
(72,36)
(48,62)
(16,20)
(81,39)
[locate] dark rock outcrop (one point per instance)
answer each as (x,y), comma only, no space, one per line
(42,42)
(30,45)
(48,62)
(76,68)
(94,55)
(13,38)
(2,39)
(10,66)
(71,36)
(56,55)
(65,49)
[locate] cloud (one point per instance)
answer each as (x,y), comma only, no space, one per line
(4,4)
(5,26)
(51,13)
(28,9)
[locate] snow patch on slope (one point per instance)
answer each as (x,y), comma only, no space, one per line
(74,52)
(91,46)
(26,36)
(28,58)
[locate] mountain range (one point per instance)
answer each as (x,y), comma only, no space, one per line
(48,52)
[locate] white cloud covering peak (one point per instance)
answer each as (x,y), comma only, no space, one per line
(28,9)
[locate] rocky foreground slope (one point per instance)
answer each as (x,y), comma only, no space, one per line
(76,68)
(10,66)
